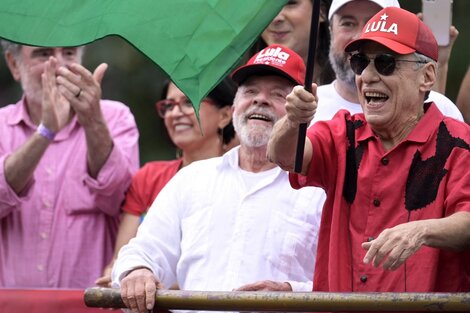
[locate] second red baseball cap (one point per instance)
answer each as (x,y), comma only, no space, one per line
(400,31)
(273,60)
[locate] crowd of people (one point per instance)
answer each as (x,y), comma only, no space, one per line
(381,203)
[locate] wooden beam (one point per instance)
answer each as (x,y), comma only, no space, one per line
(290,301)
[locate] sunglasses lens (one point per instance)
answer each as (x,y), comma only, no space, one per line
(385,64)
(359,62)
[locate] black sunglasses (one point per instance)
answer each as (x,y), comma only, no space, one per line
(384,63)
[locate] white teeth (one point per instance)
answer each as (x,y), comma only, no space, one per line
(181,127)
(374,94)
(260,117)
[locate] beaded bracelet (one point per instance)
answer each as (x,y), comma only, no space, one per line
(45,132)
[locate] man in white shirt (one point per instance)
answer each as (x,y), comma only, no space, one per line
(231,222)
(347,18)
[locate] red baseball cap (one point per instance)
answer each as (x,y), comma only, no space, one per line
(400,31)
(273,60)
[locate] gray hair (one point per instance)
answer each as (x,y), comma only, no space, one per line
(423,60)
(15,48)
(10,46)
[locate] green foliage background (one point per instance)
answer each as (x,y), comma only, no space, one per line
(135,80)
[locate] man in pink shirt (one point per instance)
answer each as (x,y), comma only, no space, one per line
(66,159)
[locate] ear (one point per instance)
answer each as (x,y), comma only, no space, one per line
(13,65)
(225,114)
(429,76)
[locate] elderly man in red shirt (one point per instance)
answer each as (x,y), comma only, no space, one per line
(396,178)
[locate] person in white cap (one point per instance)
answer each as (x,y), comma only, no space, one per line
(396,176)
(231,222)
(347,18)
(291,28)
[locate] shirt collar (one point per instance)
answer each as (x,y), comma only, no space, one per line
(365,132)
(19,114)
(231,159)
(431,118)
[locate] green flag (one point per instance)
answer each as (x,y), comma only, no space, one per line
(196,42)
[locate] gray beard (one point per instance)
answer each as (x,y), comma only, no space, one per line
(252,136)
(342,68)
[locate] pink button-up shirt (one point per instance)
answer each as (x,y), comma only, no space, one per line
(60,232)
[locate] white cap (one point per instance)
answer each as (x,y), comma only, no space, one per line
(337,4)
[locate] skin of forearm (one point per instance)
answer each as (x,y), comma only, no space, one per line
(451,232)
(441,81)
(127,231)
(99,146)
(21,164)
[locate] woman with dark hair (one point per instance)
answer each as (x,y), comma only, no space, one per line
(195,141)
(291,28)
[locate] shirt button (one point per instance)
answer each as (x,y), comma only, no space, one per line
(376,202)
(40,267)
(363,278)
(43,235)
(384,161)
(369,239)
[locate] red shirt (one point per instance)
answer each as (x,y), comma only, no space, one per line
(147,183)
(426,176)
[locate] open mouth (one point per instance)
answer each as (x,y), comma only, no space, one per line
(278,34)
(375,97)
(260,117)
(182,127)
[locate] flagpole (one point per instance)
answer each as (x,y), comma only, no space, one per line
(308,81)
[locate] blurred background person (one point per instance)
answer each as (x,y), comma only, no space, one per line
(463,98)
(291,28)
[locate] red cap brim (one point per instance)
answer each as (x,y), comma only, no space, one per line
(389,43)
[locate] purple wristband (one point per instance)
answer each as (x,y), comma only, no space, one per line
(45,132)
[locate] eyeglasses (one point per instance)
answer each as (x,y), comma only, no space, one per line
(384,63)
(165,105)
(186,106)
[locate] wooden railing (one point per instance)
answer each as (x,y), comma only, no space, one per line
(290,301)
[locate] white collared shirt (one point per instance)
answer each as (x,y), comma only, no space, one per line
(207,231)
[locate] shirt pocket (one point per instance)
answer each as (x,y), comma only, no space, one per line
(293,246)
(76,197)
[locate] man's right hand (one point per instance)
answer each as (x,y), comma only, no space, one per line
(138,290)
(301,105)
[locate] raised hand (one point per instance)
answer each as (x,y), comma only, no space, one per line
(56,109)
(83,90)
(301,105)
